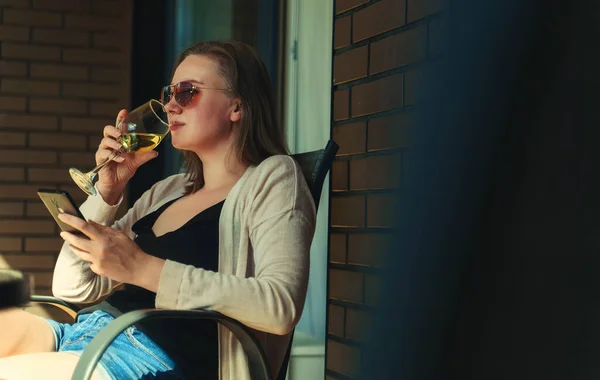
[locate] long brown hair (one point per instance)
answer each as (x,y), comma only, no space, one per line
(258,135)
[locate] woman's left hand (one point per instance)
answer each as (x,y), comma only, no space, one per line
(110,252)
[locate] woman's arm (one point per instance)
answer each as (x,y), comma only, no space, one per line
(73,280)
(281,228)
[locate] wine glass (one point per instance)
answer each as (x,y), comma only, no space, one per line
(143,129)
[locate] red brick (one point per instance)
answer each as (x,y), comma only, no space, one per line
(377,96)
(93,22)
(346,285)
(43,244)
(399,50)
(13,68)
(99,108)
(109,8)
(372,289)
(78,160)
(358,324)
(343,359)
(42,53)
(381,210)
(341,109)
(61,37)
(94,142)
(339,175)
(63,5)
(10,244)
(350,65)
(342,36)
(371,173)
(28,262)
(93,91)
(389,132)
(26,157)
(350,137)
(85,124)
(12,174)
(31,18)
(41,279)
(57,140)
(59,71)
(48,292)
(92,56)
(18,192)
(11,209)
(32,87)
(27,227)
(378,18)
(337,248)
(49,175)
(108,40)
(29,122)
(14,3)
(368,248)
(346,5)
(59,106)
(14,33)
(12,103)
(336,320)
(109,75)
(421,8)
(12,139)
(348,211)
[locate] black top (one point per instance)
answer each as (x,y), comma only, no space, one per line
(192,344)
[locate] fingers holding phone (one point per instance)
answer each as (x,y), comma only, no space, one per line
(60,202)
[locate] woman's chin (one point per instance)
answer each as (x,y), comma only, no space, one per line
(177,143)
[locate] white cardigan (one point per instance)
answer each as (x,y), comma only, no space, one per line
(265,232)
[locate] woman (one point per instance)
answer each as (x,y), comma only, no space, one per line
(232,234)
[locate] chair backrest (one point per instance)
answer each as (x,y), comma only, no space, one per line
(315,166)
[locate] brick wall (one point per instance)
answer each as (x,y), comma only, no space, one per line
(64,74)
(381,49)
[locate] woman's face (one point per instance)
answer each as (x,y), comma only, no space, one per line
(205,124)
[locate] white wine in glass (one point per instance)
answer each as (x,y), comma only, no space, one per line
(143,129)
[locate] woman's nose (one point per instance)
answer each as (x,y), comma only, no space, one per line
(171,106)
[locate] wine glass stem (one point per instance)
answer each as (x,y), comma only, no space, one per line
(110,157)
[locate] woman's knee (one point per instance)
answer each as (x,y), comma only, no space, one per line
(24,333)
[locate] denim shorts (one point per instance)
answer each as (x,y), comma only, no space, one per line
(132,355)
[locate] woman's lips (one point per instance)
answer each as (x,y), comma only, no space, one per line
(176,125)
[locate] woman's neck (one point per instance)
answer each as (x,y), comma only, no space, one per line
(222,173)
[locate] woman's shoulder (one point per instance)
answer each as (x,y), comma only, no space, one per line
(277,163)
(278,172)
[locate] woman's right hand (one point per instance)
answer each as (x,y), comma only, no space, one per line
(113,177)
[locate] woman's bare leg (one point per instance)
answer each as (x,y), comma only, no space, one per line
(23,333)
(47,366)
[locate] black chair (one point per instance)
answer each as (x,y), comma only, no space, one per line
(315,166)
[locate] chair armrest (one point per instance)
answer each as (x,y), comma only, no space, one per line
(63,305)
(92,354)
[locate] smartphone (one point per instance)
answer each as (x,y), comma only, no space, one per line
(58,202)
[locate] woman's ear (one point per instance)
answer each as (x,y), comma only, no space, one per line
(236,112)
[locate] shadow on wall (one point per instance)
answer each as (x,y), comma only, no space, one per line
(493,274)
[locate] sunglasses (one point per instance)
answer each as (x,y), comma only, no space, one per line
(183,92)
